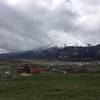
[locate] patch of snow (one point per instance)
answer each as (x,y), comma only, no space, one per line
(63,39)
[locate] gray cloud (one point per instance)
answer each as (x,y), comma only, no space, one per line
(25,25)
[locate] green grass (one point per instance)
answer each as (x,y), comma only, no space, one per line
(52,86)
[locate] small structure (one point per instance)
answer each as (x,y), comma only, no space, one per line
(7,72)
(29,69)
(35,69)
(24,69)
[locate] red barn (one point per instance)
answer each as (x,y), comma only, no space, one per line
(36,69)
(29,69)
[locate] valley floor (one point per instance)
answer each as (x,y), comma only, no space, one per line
(52,86)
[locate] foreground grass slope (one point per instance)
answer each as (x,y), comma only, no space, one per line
(52,86)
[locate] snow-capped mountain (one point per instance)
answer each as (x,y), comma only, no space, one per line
(65,39)
(69,53)
(63,47)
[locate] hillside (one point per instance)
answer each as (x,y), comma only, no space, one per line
(66,53)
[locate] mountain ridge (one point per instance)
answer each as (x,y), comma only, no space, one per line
(72,53)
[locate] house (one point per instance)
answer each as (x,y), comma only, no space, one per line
(7,72)
(23,69)
(29,69)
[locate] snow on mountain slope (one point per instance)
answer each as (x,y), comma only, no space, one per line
(64,39)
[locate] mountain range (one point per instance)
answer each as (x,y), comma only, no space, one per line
(67,53)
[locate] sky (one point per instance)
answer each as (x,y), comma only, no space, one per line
(29,24)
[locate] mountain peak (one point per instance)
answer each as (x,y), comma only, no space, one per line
(66,39)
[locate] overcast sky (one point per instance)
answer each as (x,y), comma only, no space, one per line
(28,24)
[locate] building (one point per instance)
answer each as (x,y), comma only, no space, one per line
(29,69)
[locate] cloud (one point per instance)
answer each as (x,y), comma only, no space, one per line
(28,24)
(89,18)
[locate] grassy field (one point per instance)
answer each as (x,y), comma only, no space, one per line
(52,86)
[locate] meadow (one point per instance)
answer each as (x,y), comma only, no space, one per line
(52,86)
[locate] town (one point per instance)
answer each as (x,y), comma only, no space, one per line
(13,69)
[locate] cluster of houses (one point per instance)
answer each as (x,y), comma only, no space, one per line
(74,67)
(30,69)
(7,72)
